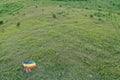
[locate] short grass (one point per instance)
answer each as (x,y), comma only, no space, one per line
(69,40)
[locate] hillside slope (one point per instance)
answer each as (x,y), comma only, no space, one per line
(69,40)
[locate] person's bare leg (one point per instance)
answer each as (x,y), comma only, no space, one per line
(29,70)
(26,70)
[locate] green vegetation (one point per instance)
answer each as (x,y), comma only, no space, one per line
(1,22)
(10,8)
(70,0)
(68,39)
(54,15)
(18,24)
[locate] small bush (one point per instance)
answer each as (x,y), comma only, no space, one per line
(91,16)
(99,19)
(60,5)
(36,6)
(54,16)
(1,22)
(118,13)
(86,8)
(118,26)
(18,24)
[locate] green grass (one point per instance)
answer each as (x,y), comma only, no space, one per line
(10,8)
(62,38)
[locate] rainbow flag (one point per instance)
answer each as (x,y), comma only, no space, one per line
(29,65)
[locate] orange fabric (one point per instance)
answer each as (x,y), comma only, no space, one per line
(30,67)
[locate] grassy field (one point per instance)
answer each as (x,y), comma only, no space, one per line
(68,39)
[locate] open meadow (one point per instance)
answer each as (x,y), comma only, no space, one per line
(68,39)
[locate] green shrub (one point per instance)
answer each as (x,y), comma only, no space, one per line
(36,6)
(100,19)
(18,24)
(60,5)
(118,26)
(118,13)
(91,16)
(1,22)
(54,15)
(86,8)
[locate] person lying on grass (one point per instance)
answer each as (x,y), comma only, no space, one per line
(29,65)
